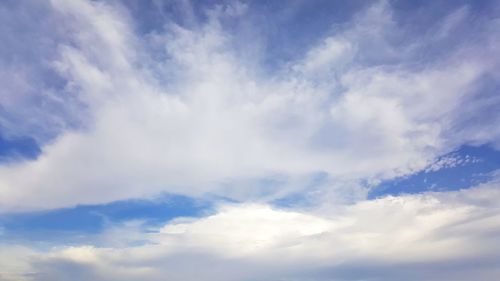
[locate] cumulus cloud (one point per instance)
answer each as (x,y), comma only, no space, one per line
(358,105)
(432,236)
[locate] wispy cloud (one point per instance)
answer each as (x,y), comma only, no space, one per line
(216,118)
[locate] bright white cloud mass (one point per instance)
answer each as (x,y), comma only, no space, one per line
(234,101)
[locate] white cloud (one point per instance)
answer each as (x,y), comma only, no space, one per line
(358,105)
(215,120)
(432,236)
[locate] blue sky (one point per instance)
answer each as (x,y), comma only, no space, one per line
(249,140)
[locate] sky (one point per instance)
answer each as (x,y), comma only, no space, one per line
(249,140)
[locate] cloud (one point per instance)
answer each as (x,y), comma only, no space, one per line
(359,105)
(188,108)
(429,236)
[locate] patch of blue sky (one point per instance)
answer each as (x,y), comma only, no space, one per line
(464,168)
(70,223)
(15,148)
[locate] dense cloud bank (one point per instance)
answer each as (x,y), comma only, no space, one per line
(432,236)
